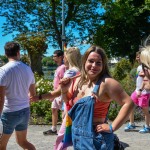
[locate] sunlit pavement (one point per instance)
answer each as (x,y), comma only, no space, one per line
(131,140)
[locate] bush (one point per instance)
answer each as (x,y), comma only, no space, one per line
(41,111)
(127,78)
(43,85)
(122,68)
(113,110)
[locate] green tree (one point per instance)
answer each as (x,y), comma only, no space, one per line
(125,24)
(4,58)
(122,69)
(25,59)
(35,44)
(45,16)
(48,61)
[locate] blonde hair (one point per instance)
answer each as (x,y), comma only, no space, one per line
(145,56)
(73,56)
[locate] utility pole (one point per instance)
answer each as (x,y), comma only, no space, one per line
(63,38)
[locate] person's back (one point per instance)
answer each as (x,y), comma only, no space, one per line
(17,84)
(17,80)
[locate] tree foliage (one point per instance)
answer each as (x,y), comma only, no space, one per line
(48,61)
(122,69)
(125,24)
(4,58)
(35,44)
(81,17)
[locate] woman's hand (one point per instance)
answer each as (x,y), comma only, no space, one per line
(65,83)
(103,128)
(138,94)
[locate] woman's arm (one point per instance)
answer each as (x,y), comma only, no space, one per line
(113,90)
(116,93)
(50,96)
(66,85)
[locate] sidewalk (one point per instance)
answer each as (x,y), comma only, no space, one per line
(131,140)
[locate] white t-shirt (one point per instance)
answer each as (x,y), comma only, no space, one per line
(17,78)
(139,79)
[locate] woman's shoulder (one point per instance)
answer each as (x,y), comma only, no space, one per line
(110,81)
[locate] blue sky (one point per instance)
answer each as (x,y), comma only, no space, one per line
(4,39)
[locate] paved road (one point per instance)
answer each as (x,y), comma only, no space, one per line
(131,140)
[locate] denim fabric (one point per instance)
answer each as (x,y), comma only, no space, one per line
(17,120)
(83,135)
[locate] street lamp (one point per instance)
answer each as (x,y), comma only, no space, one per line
(63,38)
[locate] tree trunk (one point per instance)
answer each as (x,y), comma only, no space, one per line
(36,63)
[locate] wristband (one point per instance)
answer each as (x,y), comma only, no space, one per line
(40,96)
(110,128)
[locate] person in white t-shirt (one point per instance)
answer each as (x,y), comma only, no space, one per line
(17,84)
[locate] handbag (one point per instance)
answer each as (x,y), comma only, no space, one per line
(117,143)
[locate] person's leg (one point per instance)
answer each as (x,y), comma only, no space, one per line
(58,144)
(146,127)
(144,104)
(131,124)
(136,102)
(17,120)
(55,106)
(147,116)
(54,119)
(4,140)
(21,130)
(131,117)
(9,121)
(21,139)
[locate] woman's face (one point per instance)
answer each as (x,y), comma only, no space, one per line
(93,65)
(146,70)
(138,58)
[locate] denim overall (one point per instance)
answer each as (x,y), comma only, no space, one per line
(83,135)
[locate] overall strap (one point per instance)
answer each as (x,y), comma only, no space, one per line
(95,90)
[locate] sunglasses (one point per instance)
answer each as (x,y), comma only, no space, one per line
(145,67)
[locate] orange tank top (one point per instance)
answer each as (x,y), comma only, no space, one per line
(100,108)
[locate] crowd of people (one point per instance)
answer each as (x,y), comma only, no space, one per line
(83,89)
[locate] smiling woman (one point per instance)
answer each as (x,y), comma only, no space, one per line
(90,95)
